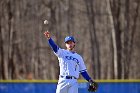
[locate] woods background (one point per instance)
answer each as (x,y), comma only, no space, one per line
(107,33)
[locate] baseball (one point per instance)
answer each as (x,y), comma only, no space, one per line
(45,21)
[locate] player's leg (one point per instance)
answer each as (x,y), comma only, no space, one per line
(73,88)
(62,86)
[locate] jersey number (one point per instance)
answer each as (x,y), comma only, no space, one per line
(75,67)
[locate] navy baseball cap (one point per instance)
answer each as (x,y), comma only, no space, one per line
(69,38)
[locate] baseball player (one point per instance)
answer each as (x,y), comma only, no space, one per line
(71,64)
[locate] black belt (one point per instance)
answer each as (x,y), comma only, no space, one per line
(68,77)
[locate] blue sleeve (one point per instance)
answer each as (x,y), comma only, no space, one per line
(85,75)
(53,45)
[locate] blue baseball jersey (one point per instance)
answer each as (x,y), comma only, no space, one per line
(70,63)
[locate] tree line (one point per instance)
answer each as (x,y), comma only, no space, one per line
(106,32)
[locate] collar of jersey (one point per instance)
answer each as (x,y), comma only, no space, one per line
(73,52)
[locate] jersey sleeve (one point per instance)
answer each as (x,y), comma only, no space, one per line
(59,52)
(55,48)
(53,45)
(82,67)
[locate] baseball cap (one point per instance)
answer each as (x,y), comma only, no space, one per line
(69,38)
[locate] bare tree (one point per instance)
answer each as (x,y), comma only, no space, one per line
(106,32)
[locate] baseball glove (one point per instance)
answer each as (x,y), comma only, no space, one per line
(92,86)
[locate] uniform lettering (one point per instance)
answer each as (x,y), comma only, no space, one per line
(72,58)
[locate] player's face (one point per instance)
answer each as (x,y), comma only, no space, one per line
(70,45)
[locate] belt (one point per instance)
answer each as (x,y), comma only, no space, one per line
(68,77)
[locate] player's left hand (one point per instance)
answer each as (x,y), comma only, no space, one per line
(93,86)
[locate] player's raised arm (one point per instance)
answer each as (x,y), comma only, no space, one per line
(47,34)
(51,42)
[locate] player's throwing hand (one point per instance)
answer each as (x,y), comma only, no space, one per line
(47,34)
